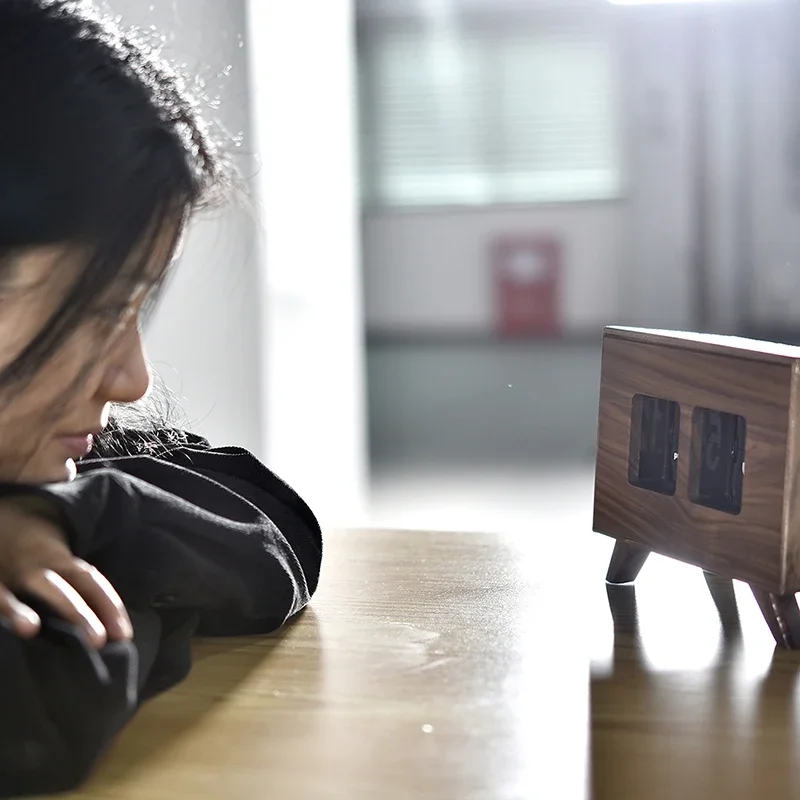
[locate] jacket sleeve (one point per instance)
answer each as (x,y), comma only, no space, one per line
(195,540)
(62,703)
(209,530)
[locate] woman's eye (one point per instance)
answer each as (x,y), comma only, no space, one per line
(112,314)
(120,315)
(116,316)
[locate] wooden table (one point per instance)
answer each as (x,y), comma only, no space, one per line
(430,665)
(480,667)
(688,701)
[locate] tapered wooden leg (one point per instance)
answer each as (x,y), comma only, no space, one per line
(724,597)
(626,562)
(782,616)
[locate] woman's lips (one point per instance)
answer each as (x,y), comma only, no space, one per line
(77,446)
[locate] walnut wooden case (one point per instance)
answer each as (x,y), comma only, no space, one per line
(697,459)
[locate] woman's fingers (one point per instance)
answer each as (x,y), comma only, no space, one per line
(24,621)
(83,596)
(66,601)
(102,598)
(35,559)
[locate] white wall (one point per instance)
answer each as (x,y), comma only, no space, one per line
(729,77)
(631,261)
(260,331)
(623,260)
(659,157)
(774,98)
(304,103)
(430,272)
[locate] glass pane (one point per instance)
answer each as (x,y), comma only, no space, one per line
(653,462)
(716,472)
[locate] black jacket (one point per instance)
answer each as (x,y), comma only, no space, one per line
(195,540)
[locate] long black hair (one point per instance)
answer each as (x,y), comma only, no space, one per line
(101,147)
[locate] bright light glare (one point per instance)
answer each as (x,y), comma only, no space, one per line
(674,2)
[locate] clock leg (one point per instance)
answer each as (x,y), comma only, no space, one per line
(782,616)
(724,597)
(626,562)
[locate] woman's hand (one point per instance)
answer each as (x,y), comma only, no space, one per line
(35,559)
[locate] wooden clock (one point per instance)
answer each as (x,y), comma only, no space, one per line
(697,459)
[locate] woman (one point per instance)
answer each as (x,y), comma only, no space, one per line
(116,544)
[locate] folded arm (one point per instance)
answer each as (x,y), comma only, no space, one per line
(193,539)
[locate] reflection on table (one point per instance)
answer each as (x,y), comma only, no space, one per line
(689,695)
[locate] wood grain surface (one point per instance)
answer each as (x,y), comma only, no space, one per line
(713,343)
(690,701)
(756,545)
(431,665)
(457,666)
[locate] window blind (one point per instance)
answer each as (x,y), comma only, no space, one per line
(470,114)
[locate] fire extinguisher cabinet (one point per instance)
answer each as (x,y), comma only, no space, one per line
(526,274)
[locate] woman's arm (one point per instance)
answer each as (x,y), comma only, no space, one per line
(193,538)
(212,530)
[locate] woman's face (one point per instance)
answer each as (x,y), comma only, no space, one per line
(44,427)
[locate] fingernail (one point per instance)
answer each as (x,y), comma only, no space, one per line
(28,614)
(126,628)
(27,617)
(96,633)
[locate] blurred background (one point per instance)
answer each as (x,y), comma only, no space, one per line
(450,199)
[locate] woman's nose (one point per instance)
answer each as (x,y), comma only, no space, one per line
(127,377)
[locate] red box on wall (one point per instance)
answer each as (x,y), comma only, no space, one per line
(526,273)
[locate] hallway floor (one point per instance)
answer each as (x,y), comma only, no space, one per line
(523,499)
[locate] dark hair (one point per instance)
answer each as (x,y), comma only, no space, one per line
(100,146)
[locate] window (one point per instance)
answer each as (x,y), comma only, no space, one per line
(655,430)
(716,473)
(468,112)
